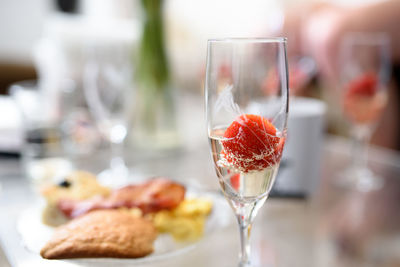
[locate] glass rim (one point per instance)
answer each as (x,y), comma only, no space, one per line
(373,38)
(248,40)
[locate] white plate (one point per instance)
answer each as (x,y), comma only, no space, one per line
(35,234)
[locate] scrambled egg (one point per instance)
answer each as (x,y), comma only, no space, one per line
(78,185)
(185,222)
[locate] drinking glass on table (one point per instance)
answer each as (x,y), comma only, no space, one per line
(364,73)
(246,122)
(43,157)
(107,85)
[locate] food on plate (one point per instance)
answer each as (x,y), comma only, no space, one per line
(157,194)
(102,233)
(106,222)
(185,222)
(78,185)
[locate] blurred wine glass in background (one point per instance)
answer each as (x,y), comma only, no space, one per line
(302,69)
(107,85)
(364,62)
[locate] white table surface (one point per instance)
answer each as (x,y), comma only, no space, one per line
(319,231)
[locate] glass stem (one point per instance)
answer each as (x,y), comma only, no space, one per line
(117,159)
(361,136)
(245,214)
(245,231)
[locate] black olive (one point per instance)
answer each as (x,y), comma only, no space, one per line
(65,183)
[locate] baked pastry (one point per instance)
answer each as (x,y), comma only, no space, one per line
(78,185)
(102,233)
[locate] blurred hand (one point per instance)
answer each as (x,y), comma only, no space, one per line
(322,32)
(314,30)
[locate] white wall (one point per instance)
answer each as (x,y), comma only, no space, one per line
(20,26)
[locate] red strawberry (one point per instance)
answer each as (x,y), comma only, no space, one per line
(250,143)
(365,85)
(361,102)
(235,181)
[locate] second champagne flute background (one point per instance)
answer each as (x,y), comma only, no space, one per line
(108,91)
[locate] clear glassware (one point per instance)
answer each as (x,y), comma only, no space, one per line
(246,95)
(43,158)
(108,91)
(364,60)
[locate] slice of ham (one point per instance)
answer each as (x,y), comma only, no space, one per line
(155,195)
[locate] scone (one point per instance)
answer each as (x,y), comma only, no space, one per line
(78,185)
(102,233)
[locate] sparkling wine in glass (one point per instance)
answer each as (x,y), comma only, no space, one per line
(365,70)
(246,122)
(108,91)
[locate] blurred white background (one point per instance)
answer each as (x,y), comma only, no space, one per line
(189,24)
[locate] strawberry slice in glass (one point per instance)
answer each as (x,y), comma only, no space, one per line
(251,143)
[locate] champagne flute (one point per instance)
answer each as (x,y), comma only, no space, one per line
(246,122)
(365,71)
(107,86)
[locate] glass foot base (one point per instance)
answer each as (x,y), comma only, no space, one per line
(363,180)
(254,264)
(248,264)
